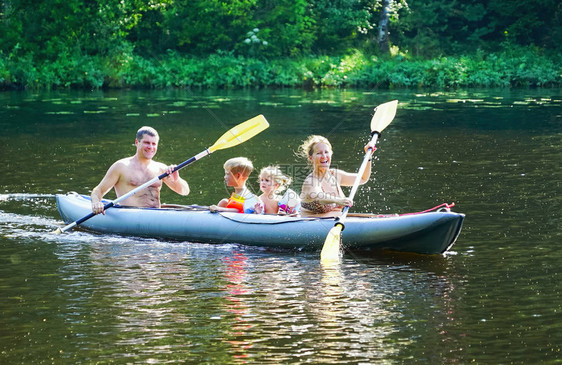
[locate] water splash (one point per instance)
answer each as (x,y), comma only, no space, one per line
(24,196)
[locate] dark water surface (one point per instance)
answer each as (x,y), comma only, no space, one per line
(89,298)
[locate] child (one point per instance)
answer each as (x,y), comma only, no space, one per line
(272,183)
(236,173)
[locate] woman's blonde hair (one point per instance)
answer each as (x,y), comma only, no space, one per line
(307,148)
(239,165)
(278,176)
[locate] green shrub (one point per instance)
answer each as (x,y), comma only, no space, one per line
(508,68)
(4,72)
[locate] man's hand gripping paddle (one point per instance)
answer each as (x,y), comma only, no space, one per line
(236,135)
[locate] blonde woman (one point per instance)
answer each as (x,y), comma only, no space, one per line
(321,194)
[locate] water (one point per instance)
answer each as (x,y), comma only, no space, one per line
(89,298)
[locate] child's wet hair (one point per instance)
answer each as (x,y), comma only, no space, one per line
(239,165)
(277,175)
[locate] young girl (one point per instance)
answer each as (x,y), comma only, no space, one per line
(272,183)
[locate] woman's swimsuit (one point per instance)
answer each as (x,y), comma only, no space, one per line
(315,207)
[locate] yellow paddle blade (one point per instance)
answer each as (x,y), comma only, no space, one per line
(331,248)
(240,133)
(384,114)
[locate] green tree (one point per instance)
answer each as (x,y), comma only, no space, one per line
(339,25)
(438,27)
(205,26)
(381,28)
(537,22)
(47,29)
(286,25)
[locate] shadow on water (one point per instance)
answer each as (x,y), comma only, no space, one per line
(438,264)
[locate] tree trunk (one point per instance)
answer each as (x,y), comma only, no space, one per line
(383,27)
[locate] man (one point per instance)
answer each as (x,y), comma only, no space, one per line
(131,172)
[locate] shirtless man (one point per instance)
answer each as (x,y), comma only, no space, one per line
(131,172)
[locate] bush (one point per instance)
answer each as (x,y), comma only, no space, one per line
(508,68)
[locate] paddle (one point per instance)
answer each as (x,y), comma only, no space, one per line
(384,114)
(236,135)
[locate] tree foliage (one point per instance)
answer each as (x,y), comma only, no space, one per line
(64,34)
(290,27)
(437,27)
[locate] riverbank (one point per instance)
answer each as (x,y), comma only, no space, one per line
(509,68)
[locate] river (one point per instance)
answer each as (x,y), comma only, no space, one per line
(82,297)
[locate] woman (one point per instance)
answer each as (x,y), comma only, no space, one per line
(321,194)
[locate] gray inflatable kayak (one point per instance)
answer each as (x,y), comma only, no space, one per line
(426,233)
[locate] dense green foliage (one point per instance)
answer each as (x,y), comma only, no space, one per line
(226,43)
(226,70)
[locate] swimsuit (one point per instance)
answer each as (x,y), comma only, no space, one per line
(315,207)
(290,203)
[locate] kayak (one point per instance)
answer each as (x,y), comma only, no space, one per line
(431,232)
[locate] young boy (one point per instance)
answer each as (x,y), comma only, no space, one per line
(236,172)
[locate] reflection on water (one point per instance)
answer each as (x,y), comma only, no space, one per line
(343,304)
(152,298)
(332,291)
(236,293)
(82,297)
